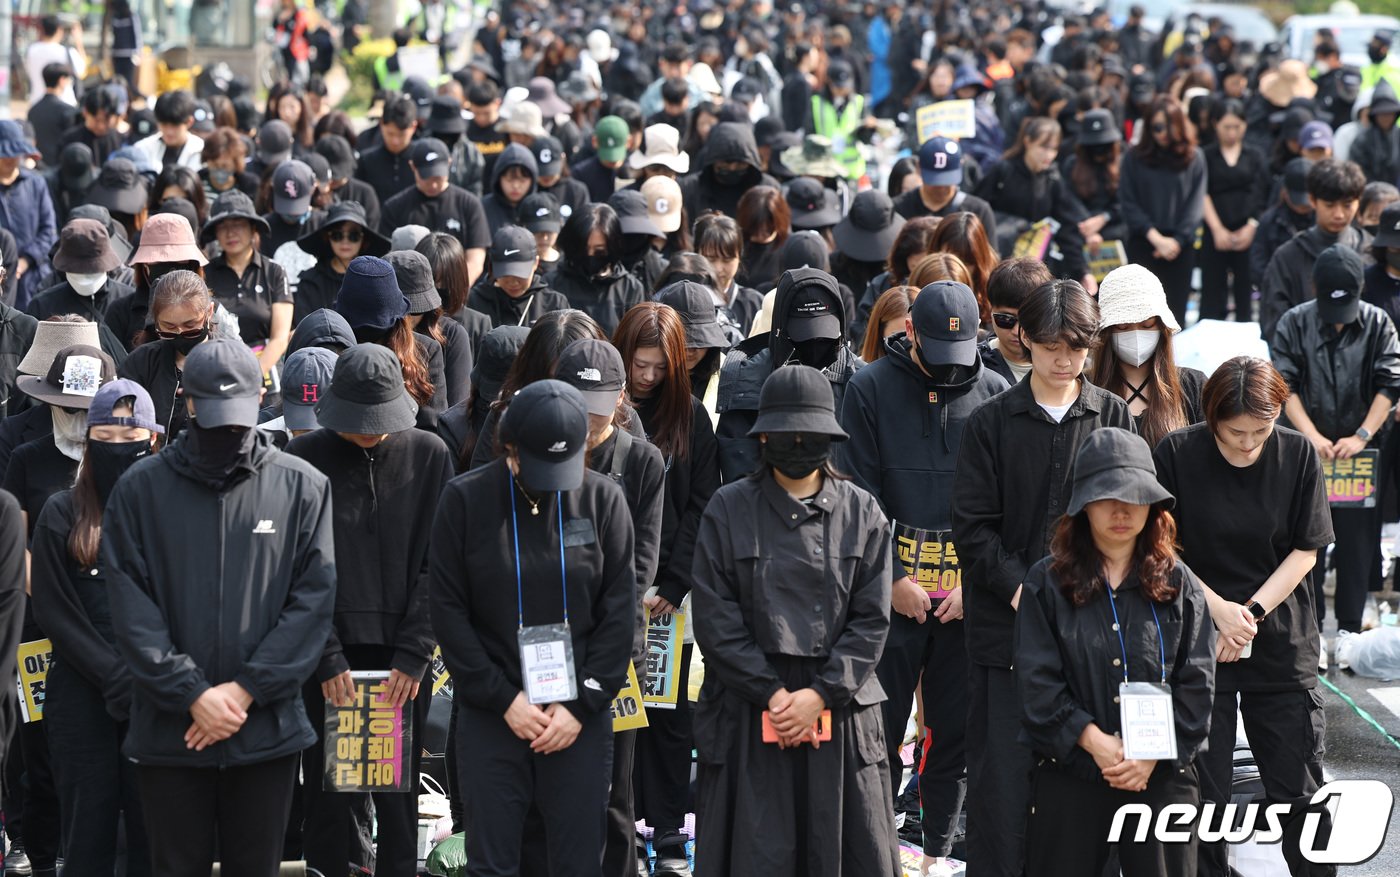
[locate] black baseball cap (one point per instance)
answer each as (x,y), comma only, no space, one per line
(813,307)
(1338,276)
(547,423)
(1295,181)
(940,162)
(223,378)
(840,73)
(539,212)
(1388,232)
(595,369)
(431,157)
(549,155)
(945,317)
(274,142)
(632,214)
(339,153)
(293,184)
(513,252)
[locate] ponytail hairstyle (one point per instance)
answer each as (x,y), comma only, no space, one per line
(652,324)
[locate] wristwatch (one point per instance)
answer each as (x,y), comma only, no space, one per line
(1256,609)
(1363,433)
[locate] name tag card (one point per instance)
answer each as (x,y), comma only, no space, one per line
(547,664)
(1149,723)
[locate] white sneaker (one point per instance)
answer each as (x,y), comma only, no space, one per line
(1322,654)
(938,867)
(1371,615)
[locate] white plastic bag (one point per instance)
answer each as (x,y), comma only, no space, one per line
(1374,653)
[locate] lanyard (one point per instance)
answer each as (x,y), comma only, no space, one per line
(515,533)
(1122,644)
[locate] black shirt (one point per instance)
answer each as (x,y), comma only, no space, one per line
(911,205)
(472,569)
(365,195)
(1011,486)
(51,116)
(456,359)
(286,233)
(571,195)
(1236,525)
(37,471)
(386,171)
(101,147)
(489,142)
(456,211)
(601,181)
(1240,191)
(1069,662)
(249,298)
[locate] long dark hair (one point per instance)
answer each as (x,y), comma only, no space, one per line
(1082,176)
(549,336)
(86,535)
(573,238)
(304,132)
(652,324)
(1164,412)
(914,239)
(962,235)
(1180,150)
(1077,562)
(449,263)
(189,184)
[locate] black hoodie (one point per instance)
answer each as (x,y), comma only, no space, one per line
(1288,281)
(241,591)
(747,366)
(604,298)
(499,211)
(383,501)
(538,300)
(728,141)
(905,428)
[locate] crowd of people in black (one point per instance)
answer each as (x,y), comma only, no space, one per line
(654,310)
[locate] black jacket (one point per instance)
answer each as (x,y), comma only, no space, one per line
(741,379)
(316,289)
(1377,151)
(1338,374)
(63,299)
(1287,282)
(153,367)
(456,359)
(911,205)
(728,141)
(11,599)
(1011,487)
(387,172)
(383,503)
(127,316)
(605,299)
(489,299)
(16,335)
(240,591)
(905,428)
(1101,200)
(18,429)
(1016,193)
(689,485)
(1067,656)
(500,212)
(472,568)
(1171,201)
(71,603)
(1277,227)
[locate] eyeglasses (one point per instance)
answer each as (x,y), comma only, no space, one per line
(353,235)
(192,333)
(1005,321)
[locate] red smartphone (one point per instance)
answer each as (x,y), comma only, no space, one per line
(822,726)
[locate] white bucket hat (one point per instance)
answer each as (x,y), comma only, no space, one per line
(661,144)
(1131,294)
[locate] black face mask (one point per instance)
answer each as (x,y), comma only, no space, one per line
(184,345)
(796,459)
(1376,54)
(729,177)
(215,453)
(818,352)
(108,460)
(595,265)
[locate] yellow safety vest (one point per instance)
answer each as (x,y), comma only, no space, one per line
(841,130)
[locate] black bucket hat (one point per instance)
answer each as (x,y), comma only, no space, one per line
(119,187)
(812,204)
(315,244)
(1115,464)
(797,398)
(870,228)
(338,152)
(232,205)
(415,274)
(84,248)
(696,305)
(367,394)
(1098,128)
(499,347)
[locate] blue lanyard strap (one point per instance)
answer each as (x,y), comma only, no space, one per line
(1123,644)
(515,536)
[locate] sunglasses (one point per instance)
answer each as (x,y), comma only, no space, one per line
(353,235)
(1005,321)
(1159,128)
(192,333)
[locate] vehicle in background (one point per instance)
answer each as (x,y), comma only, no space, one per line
(1353,33)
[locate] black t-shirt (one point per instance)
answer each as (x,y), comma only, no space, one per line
(489,142)
(37,471)
(1236,525)
(250,298)
(456,212)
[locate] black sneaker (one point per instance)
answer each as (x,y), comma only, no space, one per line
(643,857)
(17,861)
(671,860)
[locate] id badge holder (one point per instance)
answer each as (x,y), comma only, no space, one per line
(1149,721)
(547,663)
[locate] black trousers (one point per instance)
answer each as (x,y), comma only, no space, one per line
(334,822)
(661,772)
(31,808)
(1357,558)
(1071,818)
(1286,732)
(938,652)
(501,778)
(1225,277)
(240,811)
(620,840)
(96,784)
(998,773)
(1175,274)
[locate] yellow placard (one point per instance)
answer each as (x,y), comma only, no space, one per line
(440,675)
(948,118)
(1351,483)
(627,709)
(35,658)
(1104,258)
